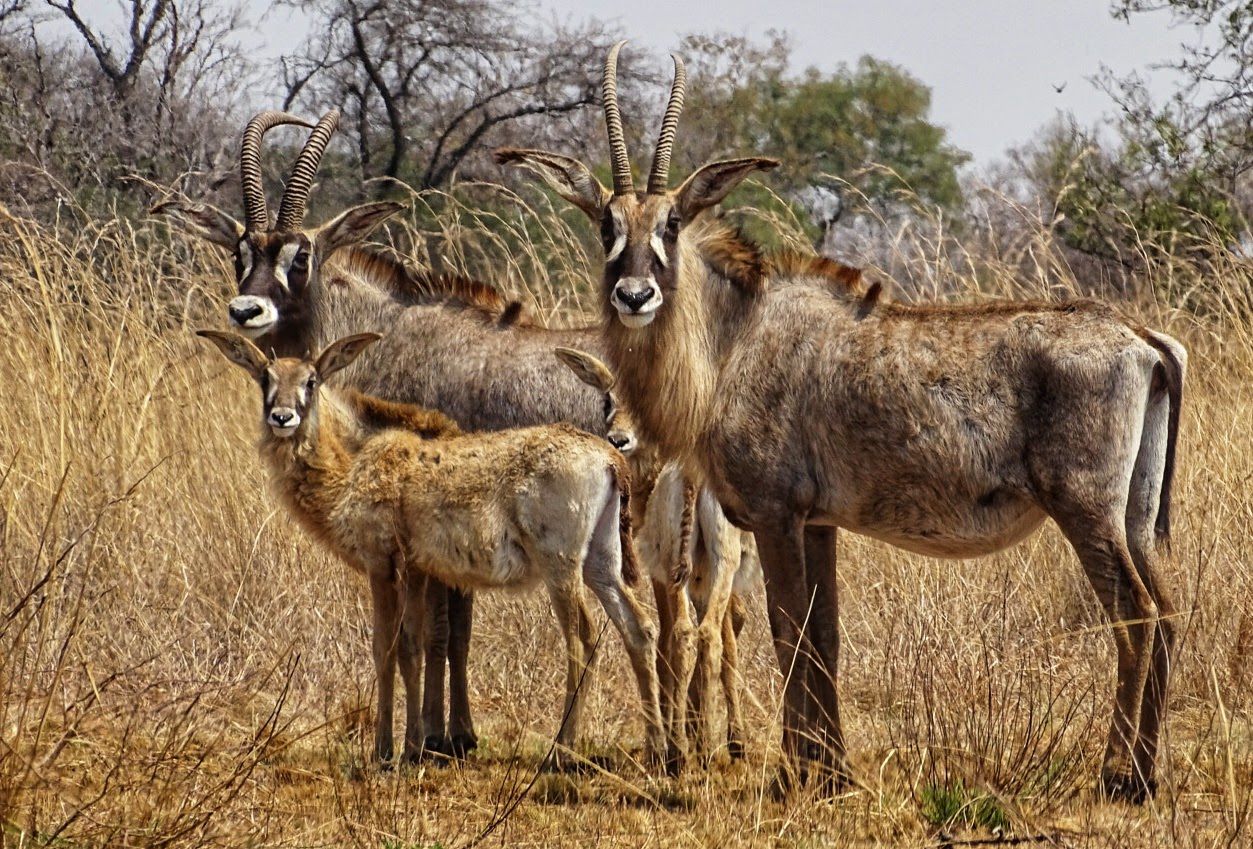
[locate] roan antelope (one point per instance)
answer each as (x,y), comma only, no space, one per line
(953,431)
(301,288)
(700,562)
(399,493)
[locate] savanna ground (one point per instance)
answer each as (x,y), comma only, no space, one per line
(179,666)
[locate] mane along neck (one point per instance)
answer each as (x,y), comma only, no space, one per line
(385,269)
(668,371)
(370,287)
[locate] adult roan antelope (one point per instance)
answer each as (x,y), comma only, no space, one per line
(400,493)
(953,431)
(449,345)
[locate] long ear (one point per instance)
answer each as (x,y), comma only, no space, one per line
(588,369)
(353,225)
(342,352)
(238,350)
(567,177)
(715,181)
(201,219)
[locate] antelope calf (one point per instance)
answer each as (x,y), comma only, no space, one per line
(953,431)
(695,559)
(541,505)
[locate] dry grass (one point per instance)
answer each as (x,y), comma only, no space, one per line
(179,667)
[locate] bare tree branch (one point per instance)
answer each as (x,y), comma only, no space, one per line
(428,84)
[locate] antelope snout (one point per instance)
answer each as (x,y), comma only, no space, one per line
(624,442)
(283,421)
(636,299)
(252,315)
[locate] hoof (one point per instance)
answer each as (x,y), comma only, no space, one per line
(674,761)
(569,763)
(833,782)
(437,748)
(735,748)
(1133,789)
(559,763)
(788,780)
(461,745)
(781,788)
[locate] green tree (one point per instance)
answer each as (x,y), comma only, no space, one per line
(1167,176)
(868,124)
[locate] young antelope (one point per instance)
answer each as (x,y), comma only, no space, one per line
(401,495)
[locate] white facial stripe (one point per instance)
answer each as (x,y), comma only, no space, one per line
(659,248)
(282,265)
(654,240)
(245,258)
(619,245)
(271,386)
(620,234)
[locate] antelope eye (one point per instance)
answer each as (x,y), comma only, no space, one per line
(607,234)
(301,262)
(672,225)
(312,383)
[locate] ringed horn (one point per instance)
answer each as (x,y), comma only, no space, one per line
(622,184)
(255,215)
(659,177)
(291,211)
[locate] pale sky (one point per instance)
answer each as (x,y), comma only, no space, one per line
(991,64)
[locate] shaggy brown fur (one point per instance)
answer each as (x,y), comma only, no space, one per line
(788,264)
(378,414)
(508,509)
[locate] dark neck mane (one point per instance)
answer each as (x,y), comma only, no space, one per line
(385,269)
(746,265)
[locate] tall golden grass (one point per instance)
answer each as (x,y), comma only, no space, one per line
(180,667)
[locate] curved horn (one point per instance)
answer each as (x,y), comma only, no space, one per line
(659,177)
(291,211)
(622,184)
(255,215)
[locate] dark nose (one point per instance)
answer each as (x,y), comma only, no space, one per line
(619,441)
(280,418)
(239,316)
(635,300)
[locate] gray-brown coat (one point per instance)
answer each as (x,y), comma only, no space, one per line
(948,430)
